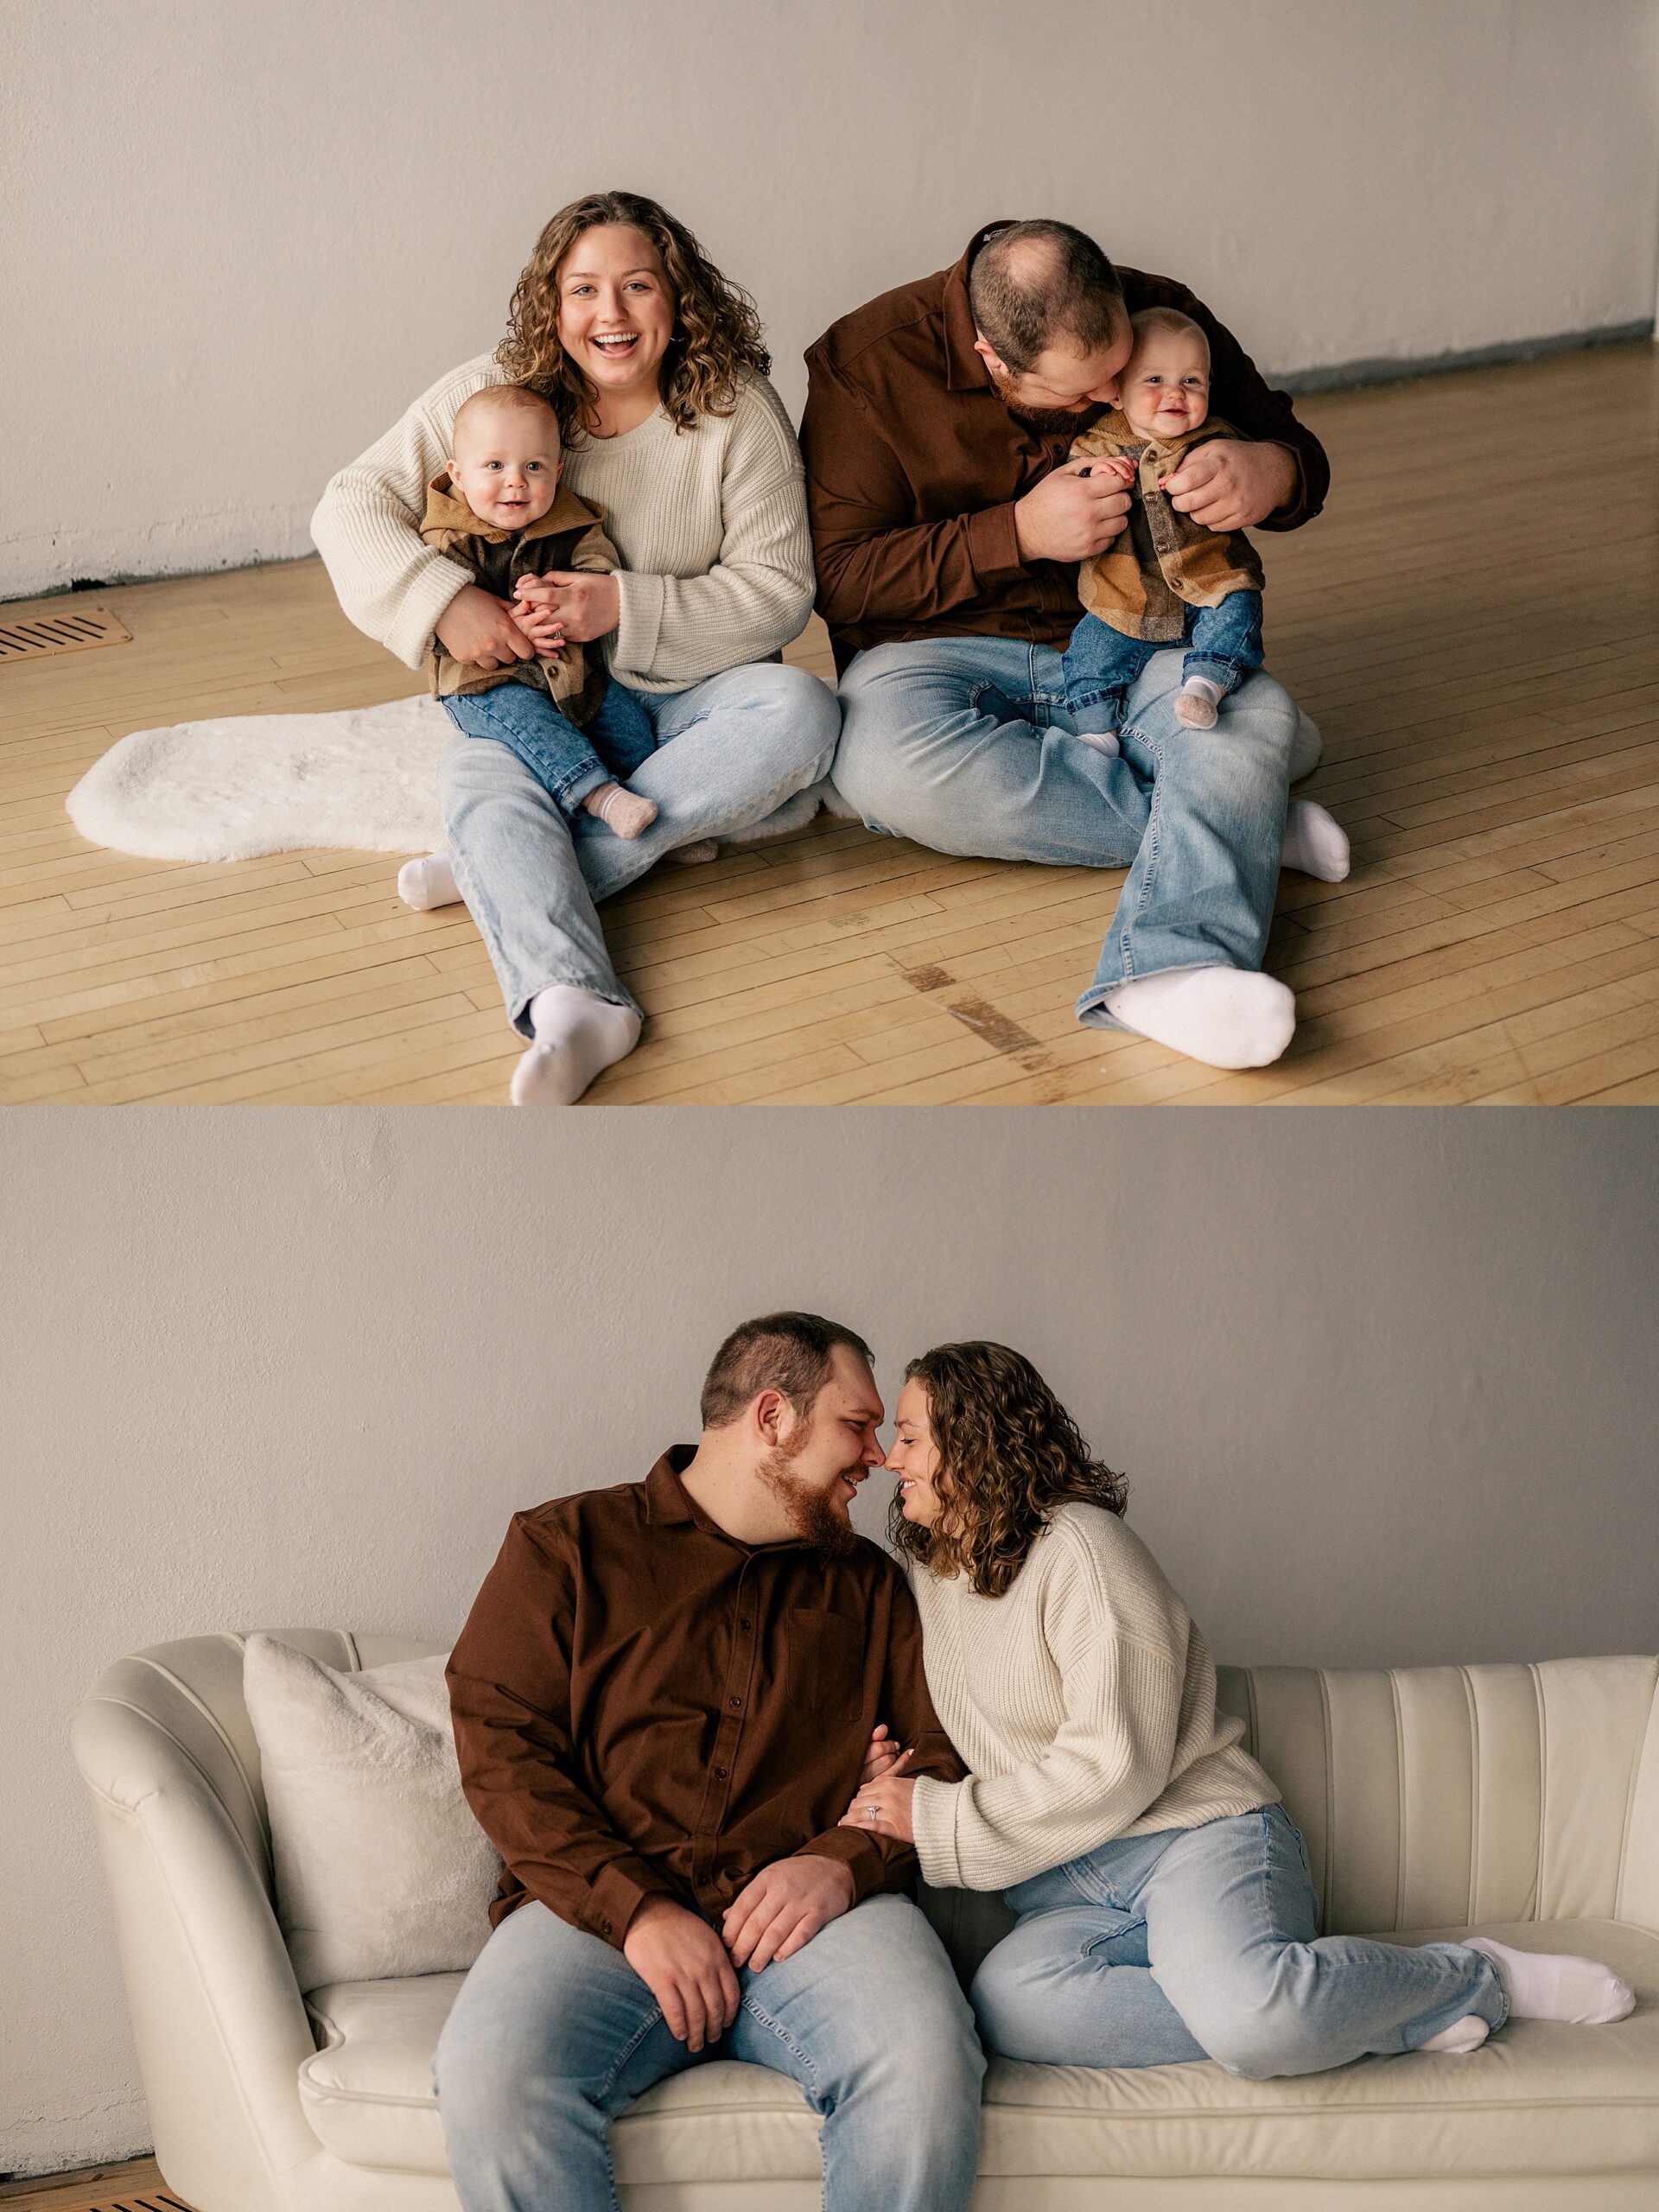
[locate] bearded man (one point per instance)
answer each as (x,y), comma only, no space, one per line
(662,1699)
(947,527)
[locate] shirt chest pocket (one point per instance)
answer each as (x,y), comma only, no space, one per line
(826,1664)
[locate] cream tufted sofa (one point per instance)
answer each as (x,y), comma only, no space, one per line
(1523,1800)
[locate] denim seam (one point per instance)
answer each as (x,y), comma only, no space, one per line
(1149,846)
(758,2012)
(628,2051)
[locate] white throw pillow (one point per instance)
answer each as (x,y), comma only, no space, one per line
(381,1869)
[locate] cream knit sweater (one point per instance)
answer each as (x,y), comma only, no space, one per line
(1084,1702)
(710,523)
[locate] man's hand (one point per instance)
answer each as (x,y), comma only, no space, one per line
(784,1907)
(478,627)
(1075,512)
(883,1756)
(1228,484)
(684,1964)
(587,606)
(883,1807)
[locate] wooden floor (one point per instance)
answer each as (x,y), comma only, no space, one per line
(133,2186)
(1471,624)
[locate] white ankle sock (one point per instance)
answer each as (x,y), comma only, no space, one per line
(1227,1017)
(625,813)
(1196,702)
(1541,1987)
(426,883)
(577,1035)
(1315,842)
(1467,2034)
(1103,740)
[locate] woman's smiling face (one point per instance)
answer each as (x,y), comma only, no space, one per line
(616,313)
(915,1458)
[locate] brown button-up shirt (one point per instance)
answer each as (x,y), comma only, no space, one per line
(913,465)
(644,1706)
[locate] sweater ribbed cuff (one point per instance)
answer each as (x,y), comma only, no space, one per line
(639,623)
(933,1823)
(431,587)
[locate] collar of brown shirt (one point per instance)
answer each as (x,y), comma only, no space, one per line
(644,1704)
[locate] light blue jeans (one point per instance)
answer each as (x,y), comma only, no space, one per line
(1205,1943)
(554,2033)
(729,752)
(966,745)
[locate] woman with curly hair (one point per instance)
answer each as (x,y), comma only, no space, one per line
(653,363)
(1165,1908)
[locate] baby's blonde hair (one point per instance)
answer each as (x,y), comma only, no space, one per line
(1172,320)
(506,398)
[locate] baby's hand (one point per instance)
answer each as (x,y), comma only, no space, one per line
(544,629)
(1116,466)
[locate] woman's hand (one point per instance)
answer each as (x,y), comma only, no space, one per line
(883,1809)
(478,627)
(544,629)
(588,606)
(883,1756)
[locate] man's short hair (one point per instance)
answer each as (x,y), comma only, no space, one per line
(791,1353)
(1033,282)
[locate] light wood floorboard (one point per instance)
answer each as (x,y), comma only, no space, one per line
(1471,624)
(135,2185)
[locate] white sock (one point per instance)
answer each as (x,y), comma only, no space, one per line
(1227,1017)
(625,813)
(426,883)
(1315,842)
(1196,702)
(577,1035)
(1541,1987)
(1467,2034)
(1103,740)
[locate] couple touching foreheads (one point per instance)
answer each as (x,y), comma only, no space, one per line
(714,1734)
(988,452)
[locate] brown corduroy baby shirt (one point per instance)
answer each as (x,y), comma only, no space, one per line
(913,465)
(644,1705)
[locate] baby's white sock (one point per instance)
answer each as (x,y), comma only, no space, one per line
(1315,842)
(1541,1987)
(1103,740)
(426,883)
(1196,702)
(577,1035)
(1467,2034)
(625,813)
(1227,1017)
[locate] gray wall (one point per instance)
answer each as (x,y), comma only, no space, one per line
(1383,1383)
(240,238)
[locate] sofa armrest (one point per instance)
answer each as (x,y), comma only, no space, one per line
(221,2026)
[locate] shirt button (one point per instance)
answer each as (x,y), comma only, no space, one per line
(735,1703)
(606,1925)
(745,1624)
(719,1774)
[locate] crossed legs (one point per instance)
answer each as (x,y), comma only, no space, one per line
(966,745)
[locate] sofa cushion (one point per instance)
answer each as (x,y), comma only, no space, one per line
(381,1869)
(1538,2099)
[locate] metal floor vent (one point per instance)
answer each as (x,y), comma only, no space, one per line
(72,632)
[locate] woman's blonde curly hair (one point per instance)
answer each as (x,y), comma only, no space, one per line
(1008,1453)
(717,331)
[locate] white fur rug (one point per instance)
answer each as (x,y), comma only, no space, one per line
(363,779)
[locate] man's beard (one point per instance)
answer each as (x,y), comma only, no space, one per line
(1046,421)
(814,1519)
